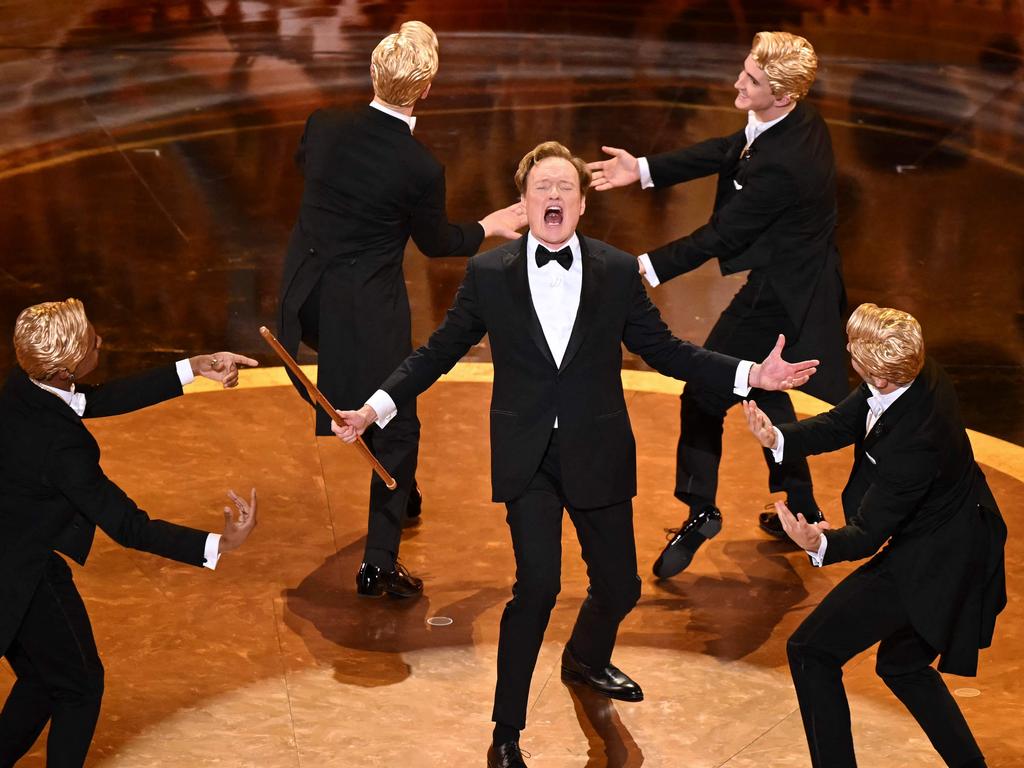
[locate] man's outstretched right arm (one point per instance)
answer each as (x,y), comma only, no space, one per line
(463,326)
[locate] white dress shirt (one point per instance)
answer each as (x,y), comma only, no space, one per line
(407,119)
(76,400)
(877,405)
(753,129)
(555,293)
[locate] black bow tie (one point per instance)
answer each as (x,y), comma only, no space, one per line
(563,257)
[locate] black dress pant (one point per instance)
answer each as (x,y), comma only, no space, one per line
(59,675)
(396,448)
(607,542)
(747,329)
(862,610)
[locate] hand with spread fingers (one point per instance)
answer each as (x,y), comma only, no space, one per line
(775,373)
(760,425)
(620,171)
(221,367)
(805,535)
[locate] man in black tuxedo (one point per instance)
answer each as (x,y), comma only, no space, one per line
(560,433)
(775,215)
(936,589)
(369,187)
(53,494)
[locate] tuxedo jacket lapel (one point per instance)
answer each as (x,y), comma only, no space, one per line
(593,272)
(889,418)
(522,300)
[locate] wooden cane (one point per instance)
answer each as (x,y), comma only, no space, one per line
(319,398)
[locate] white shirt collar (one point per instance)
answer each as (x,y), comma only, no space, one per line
(409,120)
(573,243)
(76,400)
(878,403)
(755,127)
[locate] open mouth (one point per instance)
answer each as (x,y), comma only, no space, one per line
(553,215)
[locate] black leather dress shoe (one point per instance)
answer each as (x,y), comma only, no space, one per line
(684,543)
(609,681)
(413,508)
(768,521)
(372,581)
(507,755)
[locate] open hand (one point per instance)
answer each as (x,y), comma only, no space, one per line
(805,535)
(237,531)
(760,425)
(622,170)
(222,367)
(775,373)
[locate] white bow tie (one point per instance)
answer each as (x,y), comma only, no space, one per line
(78,403)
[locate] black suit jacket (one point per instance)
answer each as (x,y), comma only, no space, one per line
(53,492)
(916,485)
(369,186)
(780,224)
(585,392)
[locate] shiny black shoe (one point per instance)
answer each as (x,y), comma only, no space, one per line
(507,755)
(413,508)
(372,581)
(768,521)
(684,543)
(609,681)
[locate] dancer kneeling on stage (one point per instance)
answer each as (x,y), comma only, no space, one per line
(558,307)
(936,589)
(53,494)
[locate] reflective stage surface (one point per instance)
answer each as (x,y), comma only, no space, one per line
(274,662)
(146,167)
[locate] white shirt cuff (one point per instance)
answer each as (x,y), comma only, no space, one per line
(740,385)
(646,182)
(185,374)
(780,446)
(649,274)
(384,407)
(211,553)
(818,558)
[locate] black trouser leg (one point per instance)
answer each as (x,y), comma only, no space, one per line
(747,329)
(535,523)
(862,609)
(609,550)
(904,663)
(397,449)
(60,676)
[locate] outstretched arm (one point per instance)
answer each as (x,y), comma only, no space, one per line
(431,230)
(733,228)
(141,390)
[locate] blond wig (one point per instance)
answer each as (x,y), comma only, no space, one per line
(404,64)
(543,152)
(788,60)
(886,343)
(50,337)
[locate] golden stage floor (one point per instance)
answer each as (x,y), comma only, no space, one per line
(274,661)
